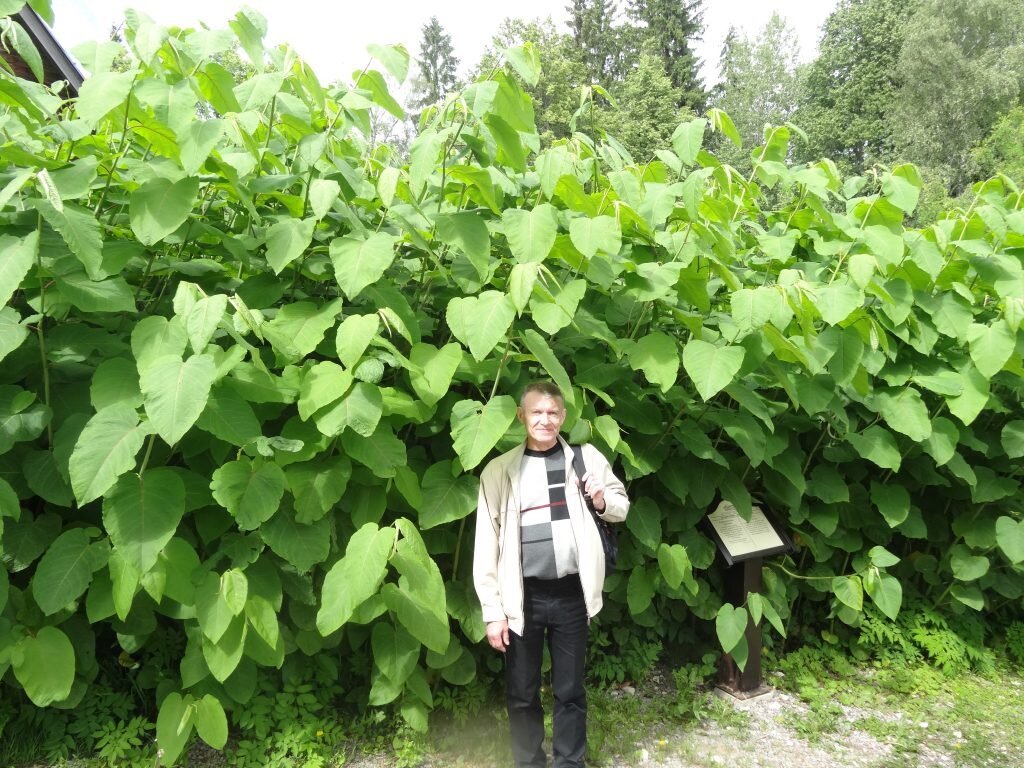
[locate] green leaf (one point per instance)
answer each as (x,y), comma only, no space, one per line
(752,308)
(467,232)
(355,577)
(44,664)
(418,600)
(892,501)
(434,369)
(941,444)
(80,229)
(882,557)
(302,545)
(141,514)
(657,356)
(526,61)
(395,59)
(174,726)
(211,722)
(159,207)
(105,450)
(423,154)
(65,571)
(198,141)
(877,445)
(731,626)
(317,486)
(966,565)
(644,522)
(688,138)
(1012,438)
(382,452)
(969,594)
(359,263)
(850,591)
(101,93)
(530,234)
(599,234)
(477,428)
(19,256)
(395,652)
(12,332)
(250,491)
(88,295)
(991,346)
(212,610)
(115,382)
(374,82)
(124,583)
(175,393)
(1010,538)
(905,412)
(972,401)
(203,319)
(446,498)
(539,349)
(480,322)
(287,240)
(837,301)
(359,410)
(552,317)
(298,328)
(229,418)
(354,335)
(885,591)
(710,367)
(675,565)
(155,337)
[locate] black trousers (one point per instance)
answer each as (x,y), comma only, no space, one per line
(555,610)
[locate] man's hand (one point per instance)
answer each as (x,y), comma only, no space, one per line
(497,635)
(594,489)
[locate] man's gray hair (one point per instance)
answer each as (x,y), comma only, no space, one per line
(545,388)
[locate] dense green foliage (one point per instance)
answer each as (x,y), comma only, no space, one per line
(251,366)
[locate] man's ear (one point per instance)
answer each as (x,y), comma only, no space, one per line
(520,415)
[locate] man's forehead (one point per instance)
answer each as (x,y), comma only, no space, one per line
(539,400)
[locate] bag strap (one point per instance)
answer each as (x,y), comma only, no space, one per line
(581,469)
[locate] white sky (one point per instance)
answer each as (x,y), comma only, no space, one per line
(332,36)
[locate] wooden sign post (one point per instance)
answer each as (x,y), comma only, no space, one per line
(743,544)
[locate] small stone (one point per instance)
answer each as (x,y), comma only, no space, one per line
(628,690)
(922,724)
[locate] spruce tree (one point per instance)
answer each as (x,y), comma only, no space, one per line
(437,66)
(599,43)
(671,28)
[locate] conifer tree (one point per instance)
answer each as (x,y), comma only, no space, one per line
(437,65)
(672,28)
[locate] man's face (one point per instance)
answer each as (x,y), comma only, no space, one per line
(543,416)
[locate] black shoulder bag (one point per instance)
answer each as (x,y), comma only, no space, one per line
(609,537)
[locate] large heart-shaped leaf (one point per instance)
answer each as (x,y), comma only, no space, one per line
(1010,537)
(45,666)
(175,393)
(446,498)
(105,450)
(355,577)
(477,428)
(730,625)
(530,234)
(65,571)
(480,322)
(160,206)
(359,263)
(141,514)
(710,367)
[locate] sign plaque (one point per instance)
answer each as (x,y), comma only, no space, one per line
(740,539)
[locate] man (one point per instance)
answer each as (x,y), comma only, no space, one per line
(538,569)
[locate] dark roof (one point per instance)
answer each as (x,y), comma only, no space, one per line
(57,64)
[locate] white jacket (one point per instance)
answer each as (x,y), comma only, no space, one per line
(497,562)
